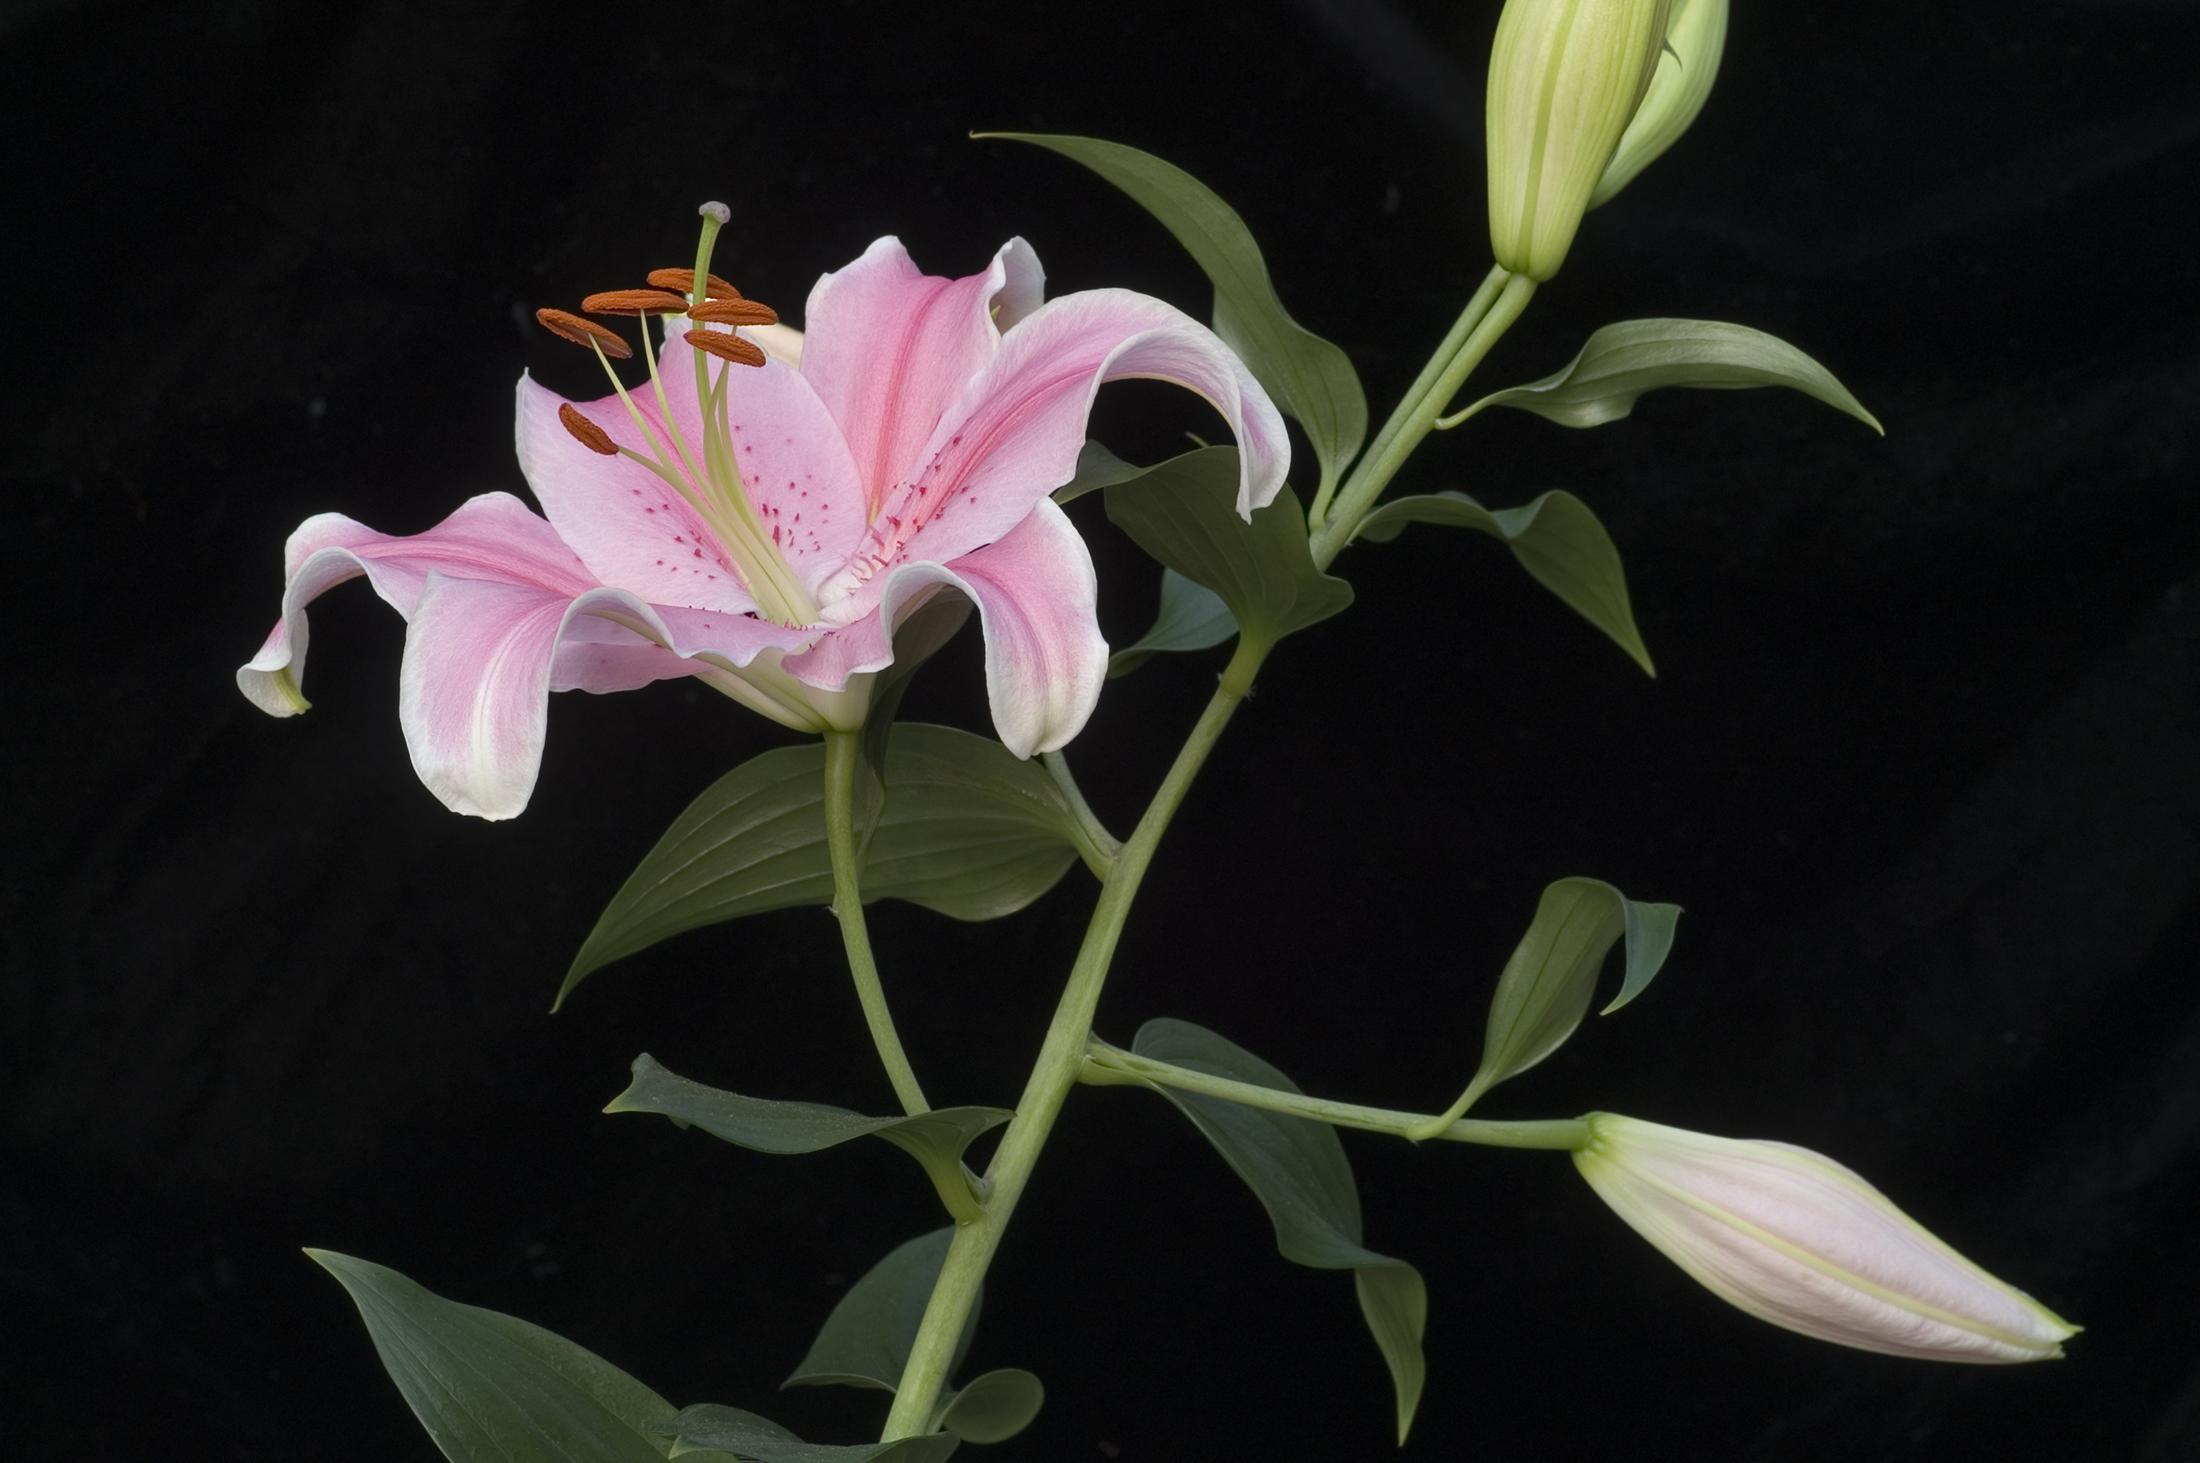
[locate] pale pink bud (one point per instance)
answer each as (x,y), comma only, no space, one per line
(1794,1238)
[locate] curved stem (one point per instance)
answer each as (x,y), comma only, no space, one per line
(1055,1072)
(843,757)
(1107,1065)
(1381,465)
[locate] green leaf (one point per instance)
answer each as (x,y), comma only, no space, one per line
(1097,468)
(1621,362)
(1309,378)
(995,1407)
(1547,984)
(1297,1169)
(1556,539)
(1191,617)
(919,637)
(760,1440)
(866,1341)
(969,831)
(1183,512)
(490,1388)
(936,1139)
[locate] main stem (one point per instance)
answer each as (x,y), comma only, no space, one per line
(1055,1072)
(843,759)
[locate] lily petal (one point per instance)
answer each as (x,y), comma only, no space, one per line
(1015,434)
(481,658)
(634,530)
(890,348)
(1037,599)
(494,536)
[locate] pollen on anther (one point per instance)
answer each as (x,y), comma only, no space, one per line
(634,302)
(726,346)
(591,436)
(567,326)
(683,280)
(734,312)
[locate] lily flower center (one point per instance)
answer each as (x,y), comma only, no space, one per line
(704,472)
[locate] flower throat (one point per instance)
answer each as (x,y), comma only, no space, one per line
(704,473)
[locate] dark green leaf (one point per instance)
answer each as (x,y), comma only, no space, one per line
(760,1440)
(1297,1169)
(969,831)
(936,1139)
(1184,513)
(919,636)
(1547,984)
(1097,468)
(1621,362)
(995,1407)
(1308,377)
(1556,539)
(866,1341)
(1191,617)
(490,1388)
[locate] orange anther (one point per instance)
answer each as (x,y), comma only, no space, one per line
(683,280)
(726,346)
(567,326)
(734,312)
(634,302)
(591,436)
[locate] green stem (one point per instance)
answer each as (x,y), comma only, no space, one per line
(843,759)
(1382,462)
(1055,1072)
(1461,328)
(1107,1065)
(1104,843)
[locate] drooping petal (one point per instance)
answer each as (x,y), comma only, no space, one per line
(1015,434)
(1037,599)
(492,537)
(481,658)
(889,348)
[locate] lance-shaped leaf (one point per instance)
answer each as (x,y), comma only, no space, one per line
(1097,468)
(491,1388)
(1547,985)
(866,1341)
(968,830)
(1310,378)
(995,1407)
(917,639)
(1621,362)
(1191,617)
(1297,1169)
(753,1439)
(936,1139)
(1556,539)
(1183,512)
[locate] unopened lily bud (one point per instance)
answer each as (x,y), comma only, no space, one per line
(1794,1238)
(1694,41)
(1566,77)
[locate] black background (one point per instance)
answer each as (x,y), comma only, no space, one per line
(1919,760)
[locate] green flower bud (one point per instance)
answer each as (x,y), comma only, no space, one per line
(1566,77)
(1693,44)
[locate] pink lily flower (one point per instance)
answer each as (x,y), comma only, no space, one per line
(764,516)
